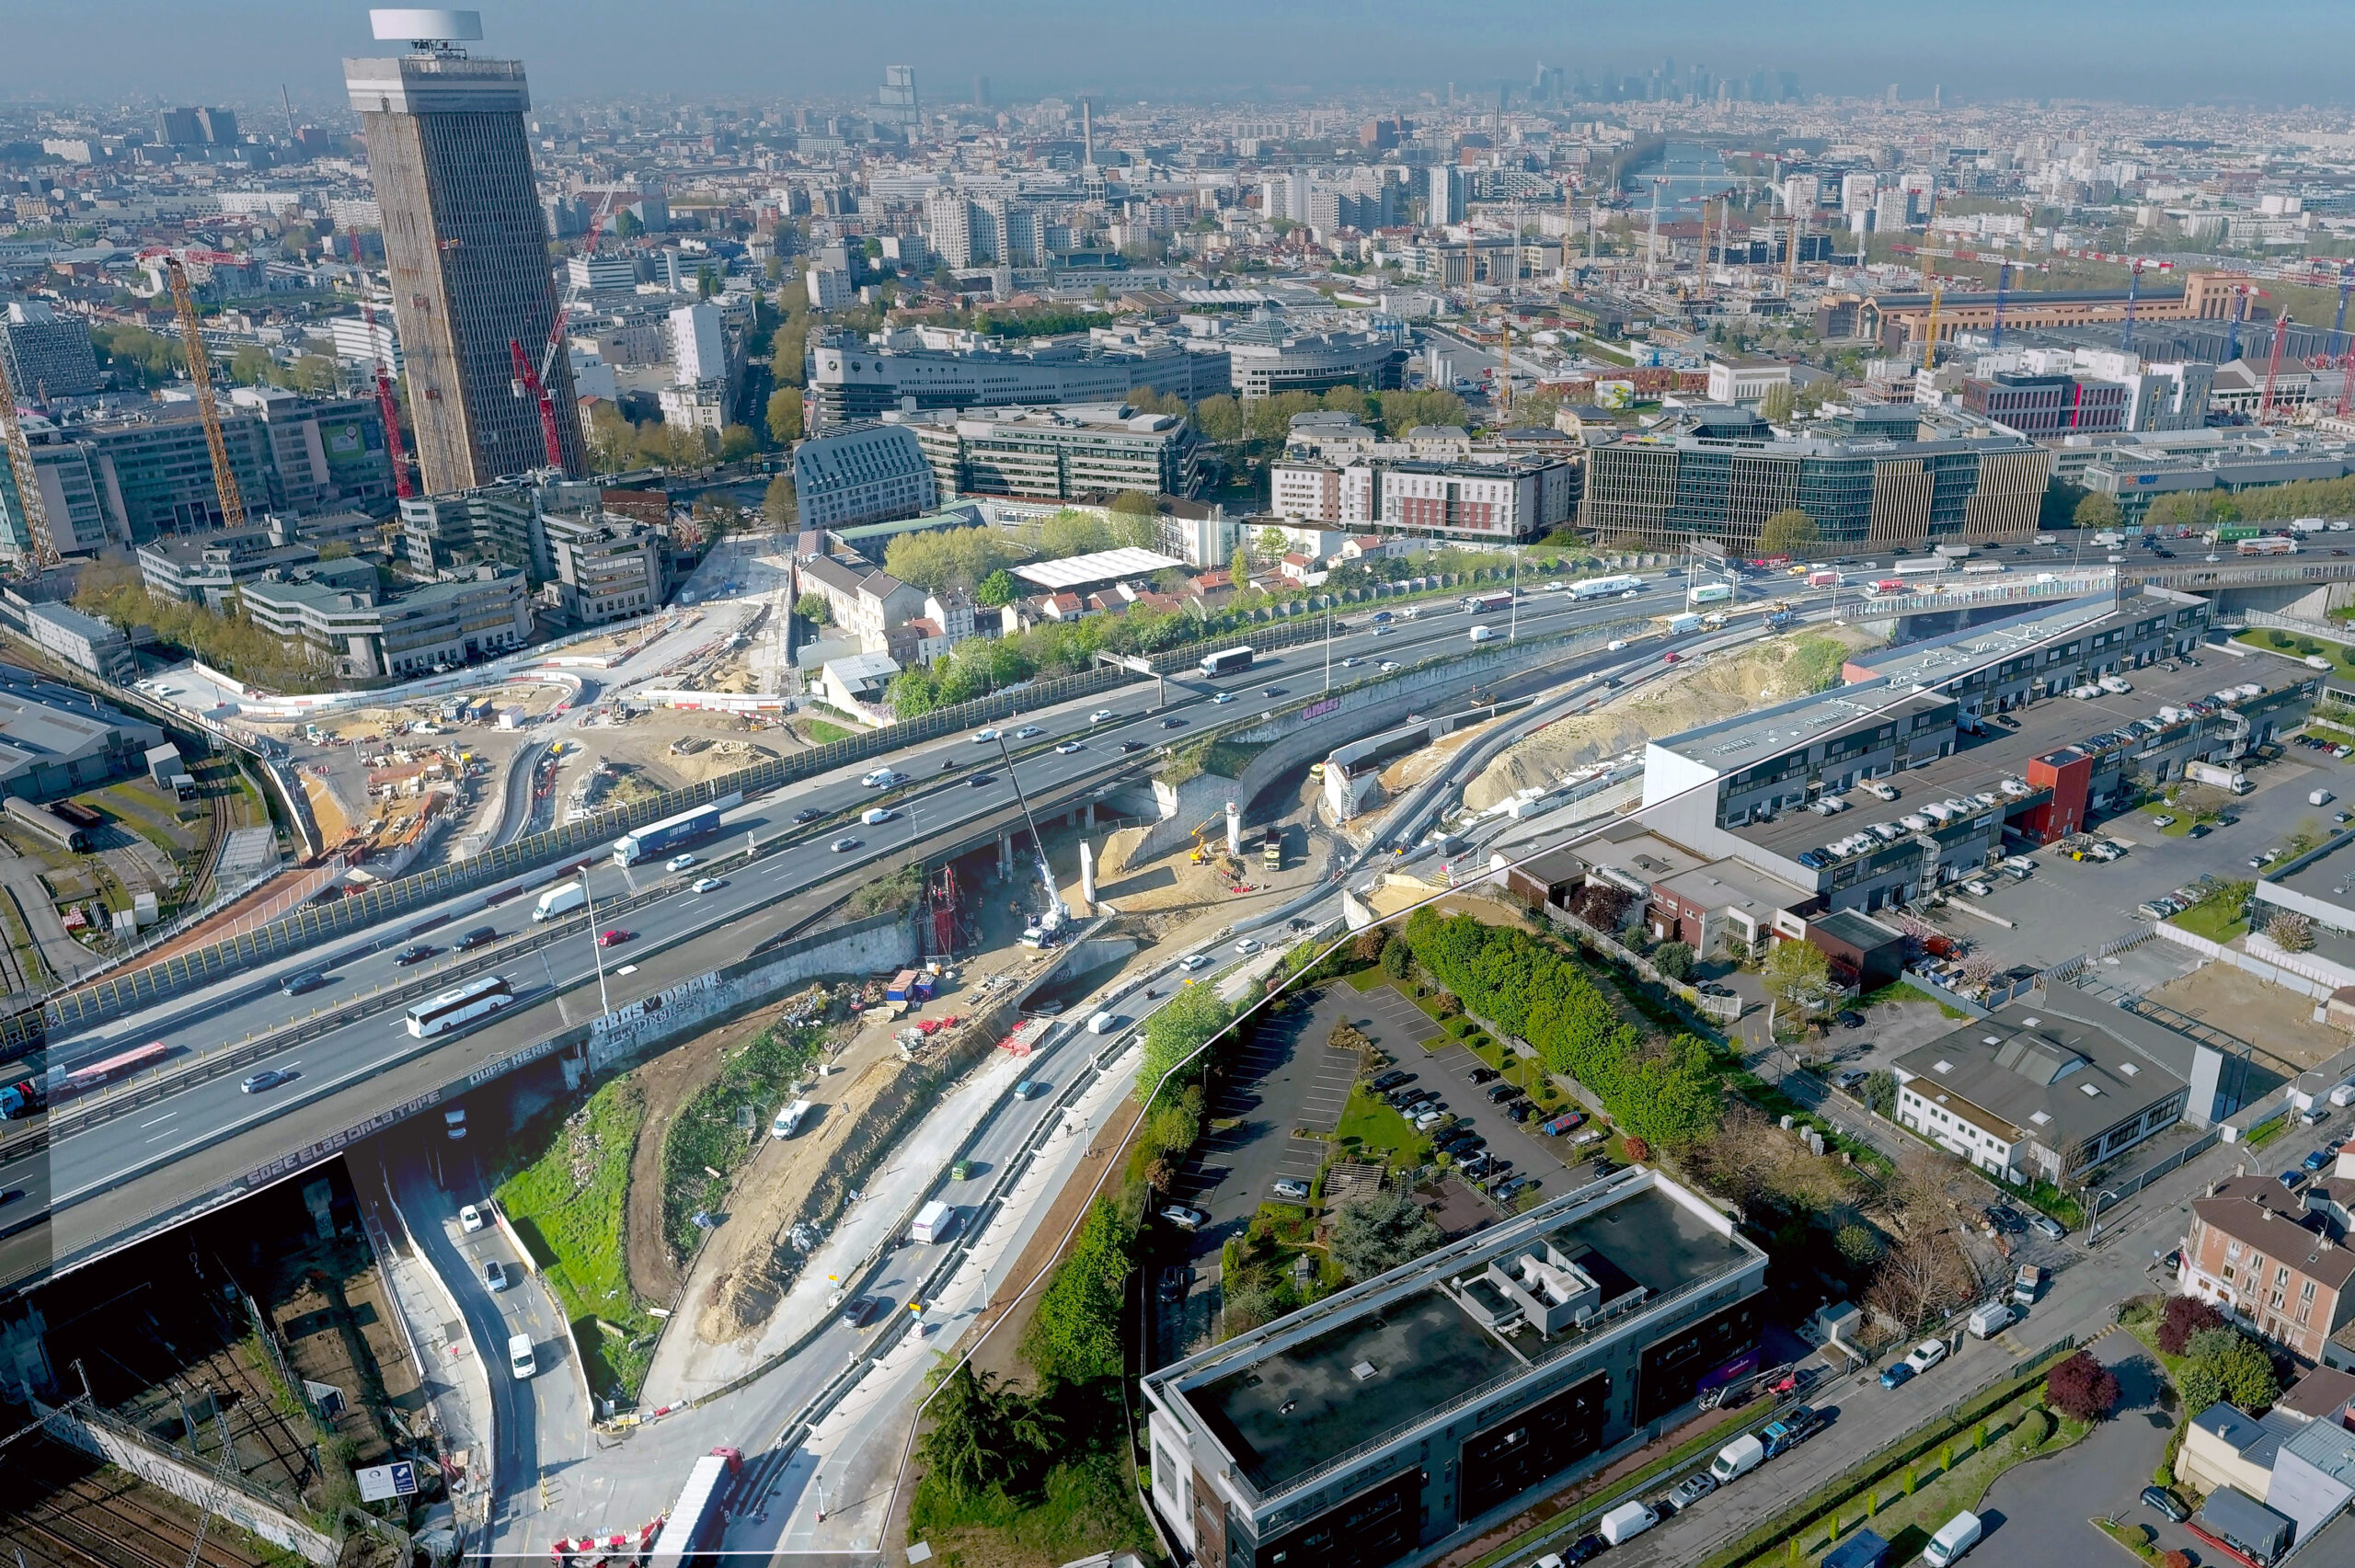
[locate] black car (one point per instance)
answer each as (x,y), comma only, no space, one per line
(981,781)
(1272,691)
(1584,1549)
(1851,1019)
(295,985)
(1389,1080)
(1521,1110)
(1173,721)
(808,814)
(1131,746)
(1470,1144)
(1483,1074)
(481,936)
(415,953)
(1500,1092)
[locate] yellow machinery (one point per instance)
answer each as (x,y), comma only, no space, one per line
(200,372)
(21,463)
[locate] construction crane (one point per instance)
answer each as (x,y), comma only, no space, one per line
(387,407)
(21,463)
(200,370)
(532,383)
(2241,292)
(1791,254)
(2273,366)
(2003,285)
(1930,281)
(1046,930)
(2339,322)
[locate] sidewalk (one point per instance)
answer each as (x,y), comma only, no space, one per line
(456,1389)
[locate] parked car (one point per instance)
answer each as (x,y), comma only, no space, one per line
(2049,1227)
(2166,1502)
(1927,1354)
(1898,1375)
(1291,1189)
(1691,1489)
(1185,1217)
(2315,1160)
(1484,1074)
(1389,1080)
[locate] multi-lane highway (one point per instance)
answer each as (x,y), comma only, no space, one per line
(183,1112)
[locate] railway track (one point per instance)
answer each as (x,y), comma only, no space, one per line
(68,1512)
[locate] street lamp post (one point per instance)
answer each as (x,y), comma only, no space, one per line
(596,948)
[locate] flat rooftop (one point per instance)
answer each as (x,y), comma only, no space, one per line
(2330,877)
(1411,1348)
(1731,745)
(1103,565)
(1942,658)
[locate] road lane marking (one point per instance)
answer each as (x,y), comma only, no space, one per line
(167,1115)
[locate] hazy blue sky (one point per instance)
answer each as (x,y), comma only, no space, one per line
(2164,50)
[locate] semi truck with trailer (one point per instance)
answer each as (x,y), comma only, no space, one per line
(660,838)
(1227,662)
(695,1522)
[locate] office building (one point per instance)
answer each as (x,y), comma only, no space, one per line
(366,633)
(1719,473)
(495,523)
(606,568)
(69,488)
(1747,383)
(1444,190)
(2135,480)
(1403,1415)
(1072,452)
(87,642)
(2048,404)
(196,127)
(698,345)
(212,568)
(852,379)
(895,102)
(828,288)
(1494,497)
(363,346)
(46,355)
(1266,356)
(465,246)
(601,274)
(862,474)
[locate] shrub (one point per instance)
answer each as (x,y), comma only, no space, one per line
(2082,1388)
(1673,959)
(1639,1149)
(1395,959)
(2185,1316)
(1367,945)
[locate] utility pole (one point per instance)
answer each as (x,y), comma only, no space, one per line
(596,948)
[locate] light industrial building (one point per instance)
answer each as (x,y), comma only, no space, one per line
(1061,453)
(54,740)
(1718,475)
(862,474)
(466,247)
(851,379)
(1406,1413)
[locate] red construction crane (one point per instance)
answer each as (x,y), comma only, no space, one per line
(2273,365)
(528,385)
(386,404)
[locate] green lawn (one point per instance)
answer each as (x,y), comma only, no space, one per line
(1370,1129)
(574,1233)
(1902,991)
(1908,1508)
(2217,919)
(1366,980)
(2340,654)
(2174,830)
(2267,1133)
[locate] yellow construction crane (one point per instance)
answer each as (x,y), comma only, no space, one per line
(1930,281)
(224,478)
(21,463)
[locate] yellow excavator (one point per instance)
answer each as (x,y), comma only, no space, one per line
(1213,851)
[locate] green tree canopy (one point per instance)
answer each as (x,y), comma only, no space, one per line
(1778,405)
(955,559)
(737,443)
(779,504)
(2097,511)
(1173,1033)
(1076,1335)
(1072,533)
(814,608)
(785,415)
(2225,1364)
(1797,973)
(1377,1234)
(1786,532)
(983,1434)
(998,590)
(1219,418)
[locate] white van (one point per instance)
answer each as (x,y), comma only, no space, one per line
(1738,1459)
(875,814)
(2343,1095)
(1631,1519)
(519,1357)
(1103,1024)
(1955,1536)
(1991,1319)
(788,1120)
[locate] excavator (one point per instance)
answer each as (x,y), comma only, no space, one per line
(1213,851)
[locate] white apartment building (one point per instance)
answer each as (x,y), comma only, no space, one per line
(601,274)
(829,288)
(868,473)
(1517,498)
(698,345)
(1746,382)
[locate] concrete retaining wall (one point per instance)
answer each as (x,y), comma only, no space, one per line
(863,947)
(119,1445)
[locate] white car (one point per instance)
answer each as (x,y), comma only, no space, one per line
(1351,662)
(1927,1354)
(1193,961)
(1066,747)
(470,1218)
(680,862)
(1616,644)
(1388,665)
(1185,1217)
(1977,888)
(1383,631)
(1026,732)
(1102,715)
(1246,945)
(704,885)
(1224,697)
(1557,587)
(1632,593)
(984,736)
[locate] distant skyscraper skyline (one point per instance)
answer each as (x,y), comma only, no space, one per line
(465,246)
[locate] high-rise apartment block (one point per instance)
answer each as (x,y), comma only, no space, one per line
(1443,198)
(46,355)
(465,244)
(896,103)
(196,127)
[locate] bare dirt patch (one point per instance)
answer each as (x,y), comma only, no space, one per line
(2280,1022)
(668,1083)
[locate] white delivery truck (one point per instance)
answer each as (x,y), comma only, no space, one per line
(2319,797)
(560,901)
(1738,1459)
(1991,1320)
(1103,1024)
(1629,1520)
(519,1357)
(1483,633)
(935,1221)
(2231,779)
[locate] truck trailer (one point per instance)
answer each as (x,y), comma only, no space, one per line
(661,838)
(695,1522)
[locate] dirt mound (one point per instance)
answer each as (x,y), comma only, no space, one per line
(1716,688)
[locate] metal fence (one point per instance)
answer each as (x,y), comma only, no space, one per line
(306,929)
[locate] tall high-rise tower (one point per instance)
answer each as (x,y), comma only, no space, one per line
(467,245)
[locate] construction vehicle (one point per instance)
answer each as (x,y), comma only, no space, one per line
(200,372)
(1046,927)
(1271,849)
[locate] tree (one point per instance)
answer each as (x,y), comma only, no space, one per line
(2292,934)
(2226,1365)
(1800,974)
(998,590)
(1366,947)
(1072,533)
(1786,532)
(779,504)
(1134,521)
(2183,1317)
(814,608)
(1396,958)
(982,1434)
(1673,959)
(1923,1277)
(1219,418)
(2097,511)
(251,365)
(1175,1033)
(2082,1388)
(1880,1093)
(1778,405)
(737,443)
(947,559)
(785,415)
(1076,1336)
(317,376)
(627,225)
(1377,1234)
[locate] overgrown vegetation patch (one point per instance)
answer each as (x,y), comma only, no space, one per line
(716,1131)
